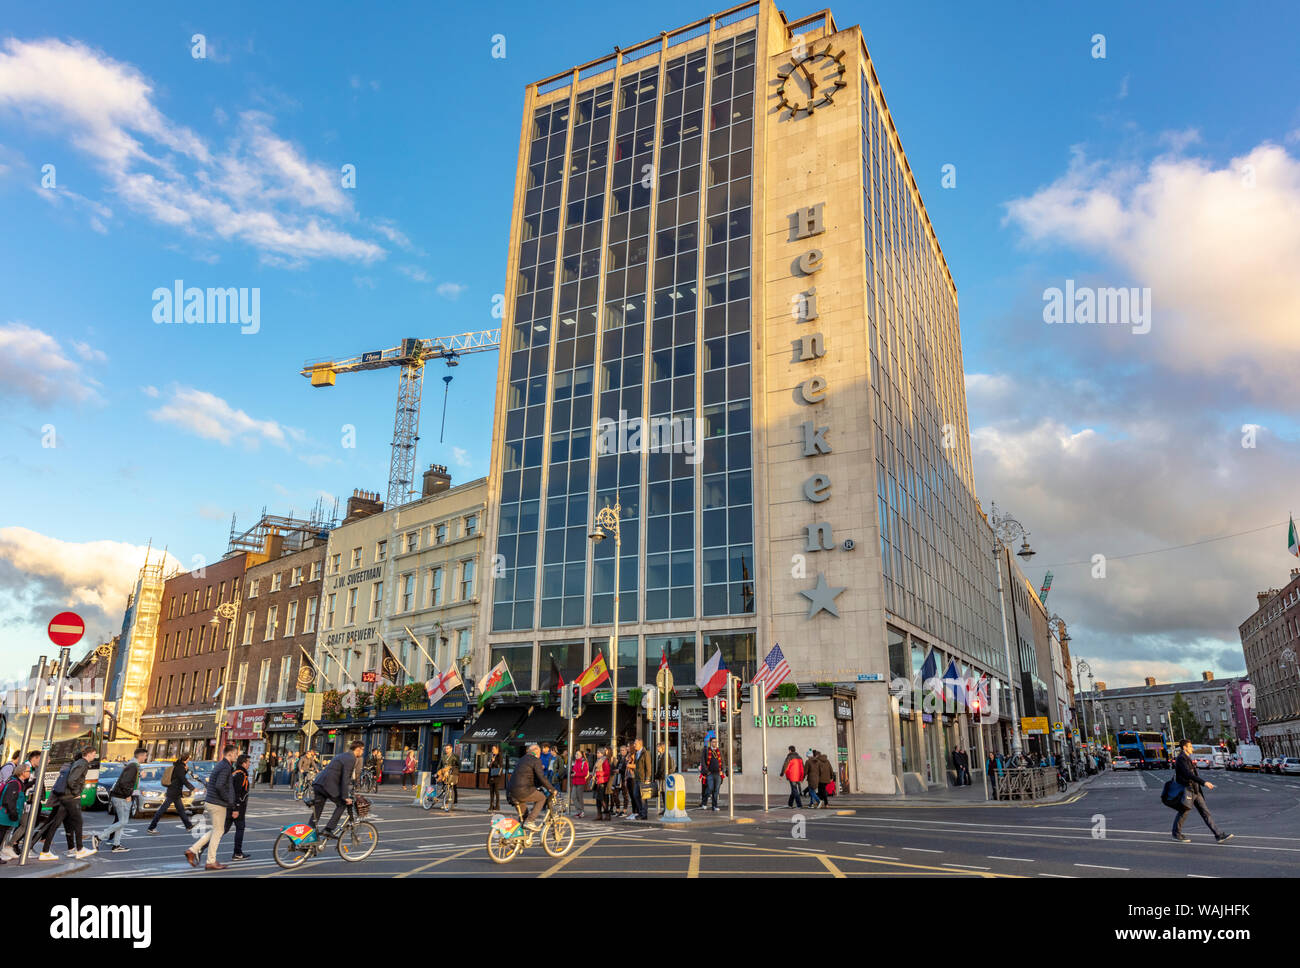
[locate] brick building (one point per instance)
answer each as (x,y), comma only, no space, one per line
(1270,639)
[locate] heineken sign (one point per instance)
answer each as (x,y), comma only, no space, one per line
(783,716)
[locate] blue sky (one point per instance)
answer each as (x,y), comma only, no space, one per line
(223,171)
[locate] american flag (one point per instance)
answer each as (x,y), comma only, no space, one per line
(774,671)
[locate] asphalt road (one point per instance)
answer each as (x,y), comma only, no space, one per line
(1115,827)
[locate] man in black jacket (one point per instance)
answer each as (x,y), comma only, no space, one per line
(240,782)
(66,797)
(527,783)
(1185,772)
(179,770)
(334,783)
(221,801)
(119,802)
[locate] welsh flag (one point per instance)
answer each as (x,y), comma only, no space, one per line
(1293,542)
(440,685)
(496,680)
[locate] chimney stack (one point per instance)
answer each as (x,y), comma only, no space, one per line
(436,480)
(1101,686)
(362,504)
(1207,676)
(1150,681)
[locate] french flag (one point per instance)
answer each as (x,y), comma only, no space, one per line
(713,677)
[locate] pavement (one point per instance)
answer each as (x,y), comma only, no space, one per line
(1112,825)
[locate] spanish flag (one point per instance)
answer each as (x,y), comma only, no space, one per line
(594,674)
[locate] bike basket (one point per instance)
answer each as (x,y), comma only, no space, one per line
(362,805)
(302,834)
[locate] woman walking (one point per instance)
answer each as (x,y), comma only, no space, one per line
(602,773)
(408,768)
(578,774)
(496,776)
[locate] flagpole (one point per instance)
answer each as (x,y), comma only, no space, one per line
(342,669)
(761,700)
(384,641)
(416,639)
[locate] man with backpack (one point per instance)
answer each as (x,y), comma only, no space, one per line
(173,779)
(119,802)
(792,770)
(65,800)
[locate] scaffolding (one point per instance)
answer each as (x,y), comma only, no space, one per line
(298,533)
(137,663)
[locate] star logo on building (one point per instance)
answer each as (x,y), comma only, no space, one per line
(821,597)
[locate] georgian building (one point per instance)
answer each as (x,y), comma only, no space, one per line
(1270,639)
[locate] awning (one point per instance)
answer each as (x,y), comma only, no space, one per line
(543,726)
(495,725)
(593,725)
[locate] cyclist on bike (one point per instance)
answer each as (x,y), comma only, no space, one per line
(450,772)
(527,782)
(334,783)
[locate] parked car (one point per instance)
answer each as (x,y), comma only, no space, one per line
(151,791)
(1290,765)
(1123,763)
(201,770)
(1268,764)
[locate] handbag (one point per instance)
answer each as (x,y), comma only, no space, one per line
(1174,795)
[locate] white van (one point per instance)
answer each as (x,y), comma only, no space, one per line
(1207,757)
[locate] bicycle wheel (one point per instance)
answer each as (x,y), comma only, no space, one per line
(359,841)
(428,799)
(287,854)
(558,836)
(503,849)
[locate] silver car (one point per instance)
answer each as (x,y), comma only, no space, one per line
(150,792)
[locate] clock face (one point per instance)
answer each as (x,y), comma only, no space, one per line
(811,81)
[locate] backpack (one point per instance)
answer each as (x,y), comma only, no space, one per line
(168,774)
(61,784)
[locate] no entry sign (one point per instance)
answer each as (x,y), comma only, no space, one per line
(66,629)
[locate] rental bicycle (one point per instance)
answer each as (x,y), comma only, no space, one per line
(509,836)
(304,784)
(366,783)
(355,840)
(439,795)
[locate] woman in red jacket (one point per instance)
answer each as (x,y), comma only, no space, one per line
(602,775)
(578,774)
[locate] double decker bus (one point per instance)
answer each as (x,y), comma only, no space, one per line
(1147,750)
(78,723)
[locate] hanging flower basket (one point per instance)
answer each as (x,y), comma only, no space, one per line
(414,696)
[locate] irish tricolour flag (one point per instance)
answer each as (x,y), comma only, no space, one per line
(713,677)
(1293,542)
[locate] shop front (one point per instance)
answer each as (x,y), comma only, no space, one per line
(283,731)
(823,723)
(167,738)
(245,730)
(395,731)
(494,726)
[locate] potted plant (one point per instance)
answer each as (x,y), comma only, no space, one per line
(414,696)
(364,700)
(385,696)
(331,704)
(634,696)
(787,690)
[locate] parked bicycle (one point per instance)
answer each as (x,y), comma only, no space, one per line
(509,836)
(355,840)
(304,784)
(367,783)
(439,795)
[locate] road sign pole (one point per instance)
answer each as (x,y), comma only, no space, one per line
(65,658)
(33,701)
(757,699)
(731,759)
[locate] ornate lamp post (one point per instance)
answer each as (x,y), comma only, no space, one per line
(607,525)
(1007,529)
(226,611)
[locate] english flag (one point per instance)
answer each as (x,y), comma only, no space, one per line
(713,677)
(440,685)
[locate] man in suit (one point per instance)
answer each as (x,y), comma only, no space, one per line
(1185,772)
(334,783)
(527,783)
(961,762)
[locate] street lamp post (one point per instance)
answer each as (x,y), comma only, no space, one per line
(226,611)
(1080,667)
(607,524)
(1007,529)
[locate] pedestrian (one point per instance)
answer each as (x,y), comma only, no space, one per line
(618,785)
(274,767)
(174,777)
(408,767)
(29,782)
(221,801)
(119,801)
(66,799)
(561,769)
(961,761)
(377,765)
(602,774)
(237,816)
(665,766)
(825,778)
(810,771)
(640,771)
(548,762)
(496,776)
(1185,772)
(711,767)
(451,772)
(578,775)
(792,770)
(7,770)
(13,797)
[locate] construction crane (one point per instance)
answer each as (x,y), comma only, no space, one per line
(410,355)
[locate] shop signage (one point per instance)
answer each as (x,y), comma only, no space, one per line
(602,695)
(369,677)
(282,721)
(352,636)
(843,709)
(246,723)
(870,677)
(1033,725)
(786,716)
(674,716)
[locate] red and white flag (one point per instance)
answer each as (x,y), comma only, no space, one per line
(713,677)
(440,685)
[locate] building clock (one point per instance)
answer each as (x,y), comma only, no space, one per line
(811,81)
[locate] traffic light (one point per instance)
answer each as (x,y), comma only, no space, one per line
(722,710)
(976,710)
(575,699)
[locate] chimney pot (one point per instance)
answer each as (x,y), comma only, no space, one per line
(1207,676)
(1150,681)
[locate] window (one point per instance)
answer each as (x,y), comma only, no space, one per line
(207,599)
(412,540)
(376,598)
(467,568)
(180,693)
(275,581)
(189,640)
(351,617)
(356,558)
(309,620)
(471,525)
(680,650)
(408,592)
(166,645)
(171,607)
(315,571)
(194,686)
(440,534)
(171,680)
(240,683)
(329,610)
(184,599)
(381,551)
(263,680)
(334,564)
(286,673)
(207,685)
(272,620)
(433,597)
(158,693)
(519,659)
(462,643)
(291,620)
(203,637)
(295,579)
(252,587)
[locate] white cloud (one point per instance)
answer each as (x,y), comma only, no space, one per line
(34,367)
(416,273)
(89,353)
(208,416)
(451,290)
(461,457)
(260,190)
(150,391)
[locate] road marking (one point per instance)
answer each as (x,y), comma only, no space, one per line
(1209,876)
(1102,867)
(970,867)
(739,843)
(804,850)
(1022,860)
(835,871)
(571,856)
(877,857)
(693,866)
(923,850)
(435,863)
(1069,876)
(853,843)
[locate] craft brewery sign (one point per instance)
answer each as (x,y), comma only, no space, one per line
(808,348)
